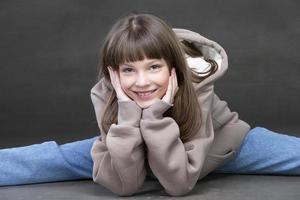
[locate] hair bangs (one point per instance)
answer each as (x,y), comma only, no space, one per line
(137,46)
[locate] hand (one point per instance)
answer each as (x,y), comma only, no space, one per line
(172,88)
(115,81)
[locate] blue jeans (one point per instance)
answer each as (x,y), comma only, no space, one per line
(263,152)
(46,162)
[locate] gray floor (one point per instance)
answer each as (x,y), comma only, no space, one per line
(214,187)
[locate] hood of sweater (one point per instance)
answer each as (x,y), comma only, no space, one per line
(210,50)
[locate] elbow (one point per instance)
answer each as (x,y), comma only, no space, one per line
(126,190)
(129,189)
(117,187)
(182,191)
(125,193)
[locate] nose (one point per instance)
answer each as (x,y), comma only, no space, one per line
(142,80)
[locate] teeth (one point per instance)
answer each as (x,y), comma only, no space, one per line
(144,94)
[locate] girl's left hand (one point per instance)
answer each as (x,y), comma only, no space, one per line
(172,88)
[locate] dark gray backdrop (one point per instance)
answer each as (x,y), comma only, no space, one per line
(49,52)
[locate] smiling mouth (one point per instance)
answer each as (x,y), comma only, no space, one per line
(144,95)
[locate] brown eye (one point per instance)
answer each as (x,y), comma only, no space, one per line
(155,66)
(127,70)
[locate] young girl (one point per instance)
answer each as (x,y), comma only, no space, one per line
(159,117)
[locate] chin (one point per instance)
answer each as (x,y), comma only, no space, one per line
(146,104)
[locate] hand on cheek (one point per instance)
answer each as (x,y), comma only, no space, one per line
(115,81)
(172,88)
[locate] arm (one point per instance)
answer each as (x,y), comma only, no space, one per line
(119,156)
(176,165)
(224,120)
(222,114)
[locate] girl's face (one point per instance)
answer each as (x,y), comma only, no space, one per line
(145,81)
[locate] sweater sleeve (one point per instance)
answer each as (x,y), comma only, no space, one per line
(119,156)
(177,165)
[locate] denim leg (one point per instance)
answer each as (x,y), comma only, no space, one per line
(265,152)
(46,162)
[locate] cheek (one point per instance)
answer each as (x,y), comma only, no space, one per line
(163,82)
(125,83)
(165,79)
(166,82)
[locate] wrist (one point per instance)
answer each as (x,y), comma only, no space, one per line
(129,113)
(156,110)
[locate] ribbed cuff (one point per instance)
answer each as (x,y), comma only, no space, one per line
(156,110)
(129,113)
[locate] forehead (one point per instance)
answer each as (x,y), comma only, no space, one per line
(144,62)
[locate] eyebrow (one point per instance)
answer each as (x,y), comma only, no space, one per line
(146,63)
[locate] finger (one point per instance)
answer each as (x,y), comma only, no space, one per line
(174,81)
(116,74)
(175,85)
(118,81)
(112,78)
(175,78)
(109,70)
(167,96)
(170,87)
(110,75)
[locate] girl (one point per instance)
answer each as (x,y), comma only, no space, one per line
(159,117)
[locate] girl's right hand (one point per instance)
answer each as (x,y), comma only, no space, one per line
(115,81)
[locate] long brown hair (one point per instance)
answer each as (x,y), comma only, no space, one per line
(135,37)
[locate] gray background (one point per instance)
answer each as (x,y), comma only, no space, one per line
(49,53)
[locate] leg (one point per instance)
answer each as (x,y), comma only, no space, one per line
(266,152)
(46,162)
